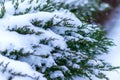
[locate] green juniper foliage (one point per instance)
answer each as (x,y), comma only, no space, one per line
(24,30)
(84,43)
(2,10)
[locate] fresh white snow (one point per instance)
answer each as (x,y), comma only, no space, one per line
(12,41)
(15,41)
(18,67)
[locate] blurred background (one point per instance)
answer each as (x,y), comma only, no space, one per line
(110,19)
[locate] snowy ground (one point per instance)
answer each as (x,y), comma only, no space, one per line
(113,27)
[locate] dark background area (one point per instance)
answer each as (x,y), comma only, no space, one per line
(113,3)
(101,17)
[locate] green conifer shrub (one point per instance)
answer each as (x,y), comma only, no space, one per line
(54,40)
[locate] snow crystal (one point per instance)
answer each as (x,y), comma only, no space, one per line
(56,74)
